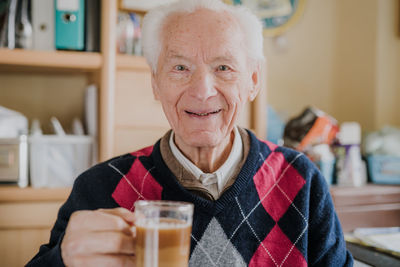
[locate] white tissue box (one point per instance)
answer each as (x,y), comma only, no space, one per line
(55,161)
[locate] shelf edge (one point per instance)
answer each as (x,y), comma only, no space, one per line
(16,194)
(54,59)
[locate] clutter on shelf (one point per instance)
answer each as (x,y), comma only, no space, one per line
(13,147)
(382,149)
(50,25)
(310,128)
(52,160)
(339,149)
(12,123)
(350,169)
(129,35)
(55,160)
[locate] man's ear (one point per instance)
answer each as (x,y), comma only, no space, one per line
(154,85)
(255,83)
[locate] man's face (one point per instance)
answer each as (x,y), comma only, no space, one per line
(203,76)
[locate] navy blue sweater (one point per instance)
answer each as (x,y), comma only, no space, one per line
(277,213)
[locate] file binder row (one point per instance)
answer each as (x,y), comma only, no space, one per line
(51,24)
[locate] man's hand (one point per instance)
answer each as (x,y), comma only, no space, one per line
(99,238)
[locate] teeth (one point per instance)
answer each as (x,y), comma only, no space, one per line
(204,114)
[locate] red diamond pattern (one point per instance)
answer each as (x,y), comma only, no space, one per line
(277,250)
(277,184)
(137,184)
(289,180)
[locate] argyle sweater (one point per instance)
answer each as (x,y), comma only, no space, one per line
(277,213)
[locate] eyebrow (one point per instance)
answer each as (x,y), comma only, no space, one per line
(174,55)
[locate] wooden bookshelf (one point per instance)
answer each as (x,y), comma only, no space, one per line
(27,216)
(60,60)
(17,194)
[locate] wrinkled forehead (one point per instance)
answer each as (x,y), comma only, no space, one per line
(201,31)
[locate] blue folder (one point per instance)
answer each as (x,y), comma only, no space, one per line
(70,24)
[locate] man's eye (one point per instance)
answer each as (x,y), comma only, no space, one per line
(223,68)
(180,68)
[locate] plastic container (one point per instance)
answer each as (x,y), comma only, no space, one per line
(55,161)
(350,168)
(327,169)
(384,169)
(325,160)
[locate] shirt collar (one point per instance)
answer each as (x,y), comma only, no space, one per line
(223,174)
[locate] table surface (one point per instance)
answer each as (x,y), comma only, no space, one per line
(372,257)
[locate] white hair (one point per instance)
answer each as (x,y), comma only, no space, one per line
(154,21)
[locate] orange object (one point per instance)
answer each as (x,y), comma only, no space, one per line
(323,131)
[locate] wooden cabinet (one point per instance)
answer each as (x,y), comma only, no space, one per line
(26,218)
(367,206)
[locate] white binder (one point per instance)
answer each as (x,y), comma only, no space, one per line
(43,24)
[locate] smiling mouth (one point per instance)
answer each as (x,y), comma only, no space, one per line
(203,114)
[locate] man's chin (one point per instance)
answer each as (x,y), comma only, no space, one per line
(202,139)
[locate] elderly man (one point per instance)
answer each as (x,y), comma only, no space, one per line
(255,203)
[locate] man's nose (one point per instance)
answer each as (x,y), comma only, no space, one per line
(202,85)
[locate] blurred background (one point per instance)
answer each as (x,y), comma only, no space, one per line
(343,57)
(74,87)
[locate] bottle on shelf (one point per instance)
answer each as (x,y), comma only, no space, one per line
(351,170)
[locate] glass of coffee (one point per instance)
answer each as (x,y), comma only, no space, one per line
(163,230)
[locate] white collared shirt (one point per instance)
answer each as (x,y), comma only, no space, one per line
(220,176)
